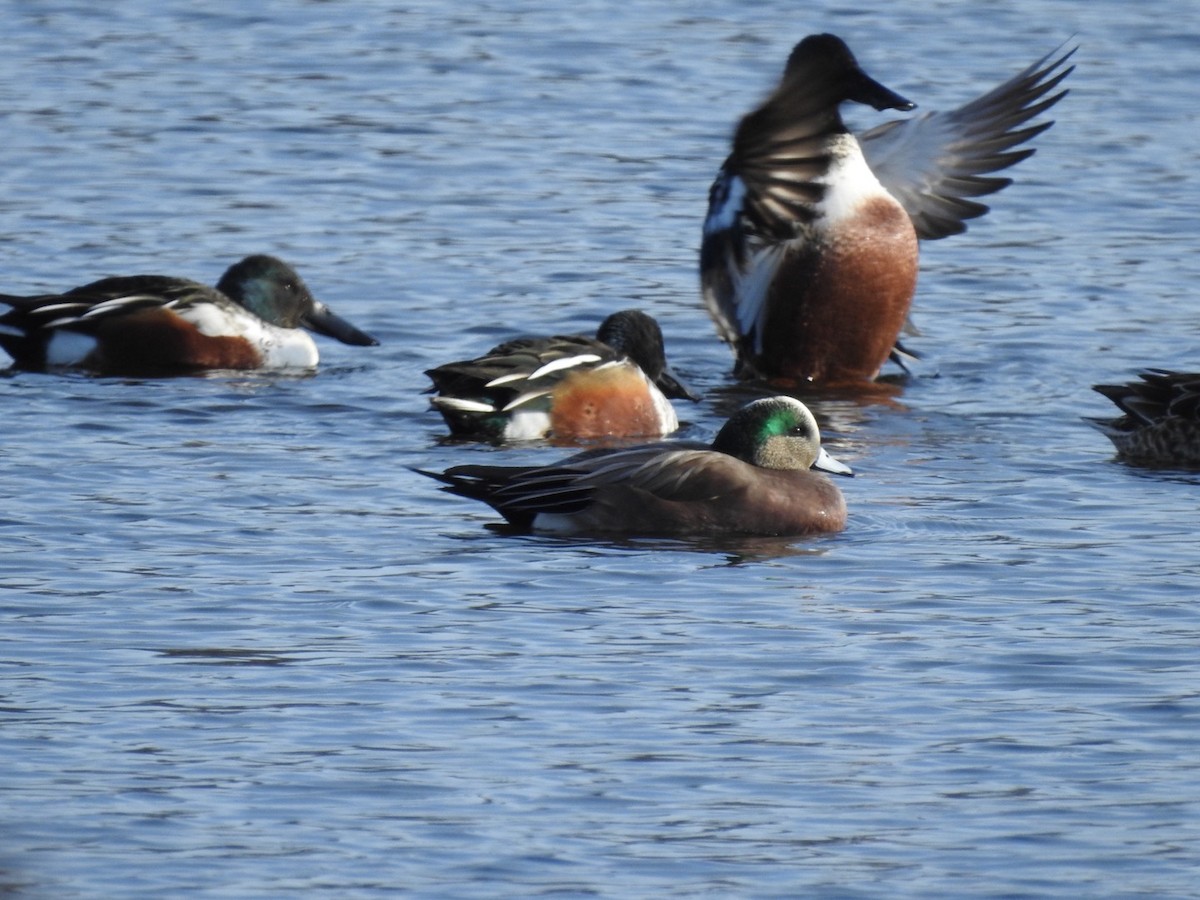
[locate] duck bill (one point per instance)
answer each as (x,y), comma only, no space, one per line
(827,463)
(323,321)
(668,382)
(869,91)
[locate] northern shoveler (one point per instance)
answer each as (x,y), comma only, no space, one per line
(158,325)
(1161,421)
(754,479)
(809,256)
(568,387)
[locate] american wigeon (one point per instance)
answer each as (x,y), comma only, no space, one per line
(568,386)
(809,256)
(1161,421)
(754,479)
(158,325)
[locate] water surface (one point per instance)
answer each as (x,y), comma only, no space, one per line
(246,652)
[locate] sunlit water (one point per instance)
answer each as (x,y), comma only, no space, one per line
(247,652)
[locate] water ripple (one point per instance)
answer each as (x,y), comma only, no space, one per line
(247,652)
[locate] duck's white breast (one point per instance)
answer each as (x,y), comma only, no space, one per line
(849,183)
(281,348)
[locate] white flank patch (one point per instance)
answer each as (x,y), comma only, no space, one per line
(725,215)
(68,348)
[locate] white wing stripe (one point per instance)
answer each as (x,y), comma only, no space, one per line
(567,362)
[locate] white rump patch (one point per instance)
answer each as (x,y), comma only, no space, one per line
(527,425)
(556,523)
(68,348)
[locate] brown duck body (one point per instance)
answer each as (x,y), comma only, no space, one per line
(1160,425)
(754,479)
(569,387)
(160,325)
(808,262)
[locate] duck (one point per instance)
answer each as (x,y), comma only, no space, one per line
(761,475)
(566,387)
(1160,421)
(161,325)
(809,249)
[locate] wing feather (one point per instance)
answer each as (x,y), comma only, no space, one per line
(932,162)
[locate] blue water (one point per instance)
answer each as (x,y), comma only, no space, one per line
(245,652)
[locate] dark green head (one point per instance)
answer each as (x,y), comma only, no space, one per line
(776,433)
(272,290)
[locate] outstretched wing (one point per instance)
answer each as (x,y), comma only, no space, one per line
(933,163)
(766,189)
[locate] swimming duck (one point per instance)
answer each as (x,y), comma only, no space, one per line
(159,325)
(754,479)
(1161,421)
(567,387)
(808,261)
